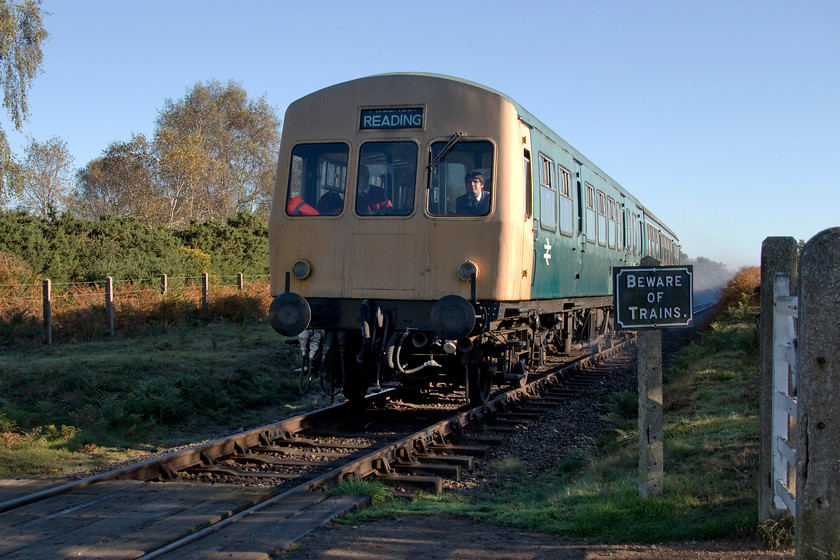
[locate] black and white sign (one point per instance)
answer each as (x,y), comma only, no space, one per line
(653,297)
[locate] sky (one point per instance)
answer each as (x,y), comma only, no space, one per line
(721,116)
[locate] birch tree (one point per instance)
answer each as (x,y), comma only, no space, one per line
(46,177)
(21,34)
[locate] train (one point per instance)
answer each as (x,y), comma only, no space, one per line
(428,232)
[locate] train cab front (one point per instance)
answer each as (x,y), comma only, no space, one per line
(352,345)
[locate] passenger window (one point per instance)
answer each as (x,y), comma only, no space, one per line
(619,226)
(637,234)
(602,219)
(548,195)
(590,213)
(317,179)
(386,180)
(462,182)
(628,226)
(653,241)
(567,224)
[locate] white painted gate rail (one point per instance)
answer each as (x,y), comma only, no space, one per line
(785,314)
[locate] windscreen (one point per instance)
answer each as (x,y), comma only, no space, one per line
(386,179)
(462,182)
(317,180)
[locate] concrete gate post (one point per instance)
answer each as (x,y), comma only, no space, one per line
(818,398)
(778,254)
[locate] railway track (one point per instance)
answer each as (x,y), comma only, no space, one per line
(269,486)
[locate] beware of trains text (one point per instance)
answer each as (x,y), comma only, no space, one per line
(653,297)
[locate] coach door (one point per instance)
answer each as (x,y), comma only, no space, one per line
(585,221)
(529,229)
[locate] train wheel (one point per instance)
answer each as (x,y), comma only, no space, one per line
(519,383)
(520,371)
(355,389)
(478,385)
(350,376)
(357,379)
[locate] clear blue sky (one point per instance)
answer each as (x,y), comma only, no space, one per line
(720,115)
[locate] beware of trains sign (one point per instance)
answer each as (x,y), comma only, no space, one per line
(653,297)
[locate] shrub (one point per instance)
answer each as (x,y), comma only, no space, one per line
(741,290)
(14,271)
(18,295)
(75,250)
(238,245)
(84,253)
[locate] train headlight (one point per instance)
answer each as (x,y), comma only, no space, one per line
(302,269)
(467,270)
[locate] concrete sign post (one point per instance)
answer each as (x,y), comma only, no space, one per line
(649,298)
(651,420)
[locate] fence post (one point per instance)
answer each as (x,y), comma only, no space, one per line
(48,312)
(818,425)
(778,254)
(109,304)
(240,281)
(205,288)
(164,285)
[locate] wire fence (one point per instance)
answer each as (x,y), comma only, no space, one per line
(47,313)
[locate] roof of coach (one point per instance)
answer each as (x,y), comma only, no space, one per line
(524,115)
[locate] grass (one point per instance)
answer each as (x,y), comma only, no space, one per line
(711,444)
(379,493)
(116,399)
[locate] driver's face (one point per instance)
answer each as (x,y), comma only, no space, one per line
(474,186)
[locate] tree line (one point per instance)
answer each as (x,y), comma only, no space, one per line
(212,154)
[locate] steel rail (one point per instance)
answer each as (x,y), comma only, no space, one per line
(167,465)
(375,461)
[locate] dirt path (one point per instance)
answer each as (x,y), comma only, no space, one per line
(424,538)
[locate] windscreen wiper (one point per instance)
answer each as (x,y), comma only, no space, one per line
(457,137)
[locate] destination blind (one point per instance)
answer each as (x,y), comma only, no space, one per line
(378,119)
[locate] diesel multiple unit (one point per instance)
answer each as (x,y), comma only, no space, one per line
(429,231)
